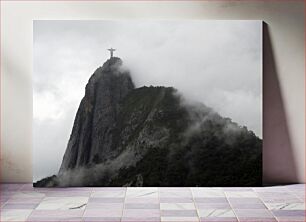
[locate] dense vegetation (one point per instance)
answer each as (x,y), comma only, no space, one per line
(217,153)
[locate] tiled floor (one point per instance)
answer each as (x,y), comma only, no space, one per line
(22,202)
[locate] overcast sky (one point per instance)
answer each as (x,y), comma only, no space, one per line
(218,63)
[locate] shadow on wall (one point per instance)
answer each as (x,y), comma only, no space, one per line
(278,160)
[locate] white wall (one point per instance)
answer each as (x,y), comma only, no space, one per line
(284,129)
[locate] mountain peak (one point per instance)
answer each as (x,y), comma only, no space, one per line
(113,61)
(91,139)
(113,64)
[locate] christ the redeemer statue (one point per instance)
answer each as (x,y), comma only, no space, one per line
(111,52)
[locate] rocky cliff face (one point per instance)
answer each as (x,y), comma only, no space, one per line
(92,139)
(149,136)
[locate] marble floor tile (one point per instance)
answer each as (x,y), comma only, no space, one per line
(103,212)
(22,202)
(176,189)
(216,213)
(46,189)
(105,200)
(291,219)
(68,193)
(285,206)
(240,194)
(244,200)
(142,213)
(276,195)
(179,213)
(238,189)
(299,194)
(177,206)
(20,206)
(142,200)
(91,205)
(289,213)
(55,219)
(179,219)
(176,200)
(210,200)
(253,219)
(140,219)
(295,187)
(225,205)
(4,199)
(83,189)
(27,187)
(101,219)
(141,206)
(281,200)
(236,205)
(254,213)
(14,214)
(63,203)
(28,194)
(25,200)
(56,213)
(2,205)
(114,193)
(218,219)
(175,192)
(279,189)
(109,189)
(10,186)
(149,192)
(207,192)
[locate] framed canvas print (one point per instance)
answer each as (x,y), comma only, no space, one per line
(147,103)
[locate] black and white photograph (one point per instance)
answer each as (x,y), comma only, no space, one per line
(144,103)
